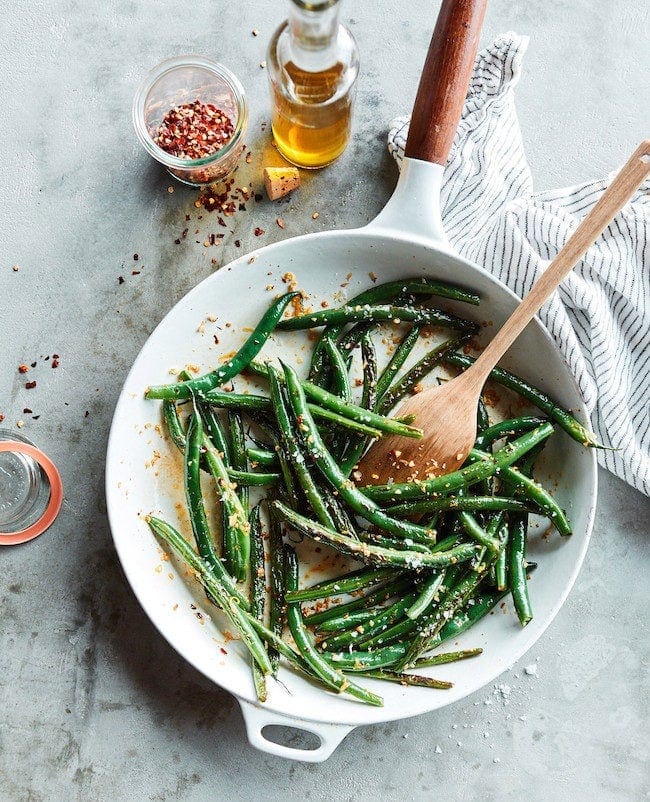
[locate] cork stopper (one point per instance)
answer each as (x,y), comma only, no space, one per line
(280,181)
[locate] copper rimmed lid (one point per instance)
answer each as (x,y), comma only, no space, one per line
(31,491)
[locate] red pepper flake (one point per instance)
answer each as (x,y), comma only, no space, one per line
(33,364)
(86,414)
(194,130)
(30,385)
(221,221)
(222,650)
(177,242)
(237,243)
(258,231)
(212,239)
(120,279)
(135,272)
(135,257)
(258,196)
(216,339)
(185,233)
(27,411)
(23,368)
(2,417)
(55,362)
(280,222)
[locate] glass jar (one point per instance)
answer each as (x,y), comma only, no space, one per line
(185,79)
(313,64)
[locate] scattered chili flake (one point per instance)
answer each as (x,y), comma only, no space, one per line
(315,216)
(35,417)
(55,362)
(135,272)
(177,242)
(30,385)
(258,231)
(15,268)
(254,32)
(86,414)
(262,64)
(222,650)
(280,222)
(194,130)
(212,239)
(27,411)
(2,417)
(216,339)
(135,257)
(22,368)
(258,196)
(170,190)
(120,279)
(33,364)
(237,243)
(20,424)
(249,158)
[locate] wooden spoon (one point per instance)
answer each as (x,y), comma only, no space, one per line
(447,413)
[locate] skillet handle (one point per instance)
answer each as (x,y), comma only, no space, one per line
(444,81)
(256,719)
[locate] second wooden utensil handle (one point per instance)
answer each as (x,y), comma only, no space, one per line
(617,194)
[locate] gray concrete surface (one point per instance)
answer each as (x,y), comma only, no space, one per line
(94,704)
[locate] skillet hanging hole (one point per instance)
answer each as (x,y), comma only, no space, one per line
(292,737)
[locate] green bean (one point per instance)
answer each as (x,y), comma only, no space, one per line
(376,539)
(277,604)
(367,661)
(173,424)
(382,593)
(249,350)
(457,503)
(215,589)
(485,465)
(355,580)
(262,456)
(427,595)
(446,657)
(339,371)
(239,462)
(345,622)
(194,498)
(467,616)
(560,415)
(357,445)
(478,533)
(333,474)
(327,400)
(366,313)
(380,621)
(407,679)
(294,454)
(408,382)
(507,428)
(500,566)
(215,432)
(399,357)
(257,589)
(305,645)
(236,516)
(517,582)
(374,555)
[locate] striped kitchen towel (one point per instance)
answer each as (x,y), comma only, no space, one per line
(600,317)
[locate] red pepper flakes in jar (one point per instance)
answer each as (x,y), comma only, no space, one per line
(194,130)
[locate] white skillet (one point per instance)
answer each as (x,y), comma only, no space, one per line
(406,239)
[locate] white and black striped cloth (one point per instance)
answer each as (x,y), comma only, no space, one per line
(600,317)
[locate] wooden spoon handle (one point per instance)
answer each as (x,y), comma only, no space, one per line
(617,194)
(444,81)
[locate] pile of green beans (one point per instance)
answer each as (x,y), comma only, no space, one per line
(431,557)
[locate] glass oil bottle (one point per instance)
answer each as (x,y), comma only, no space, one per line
(313,64)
